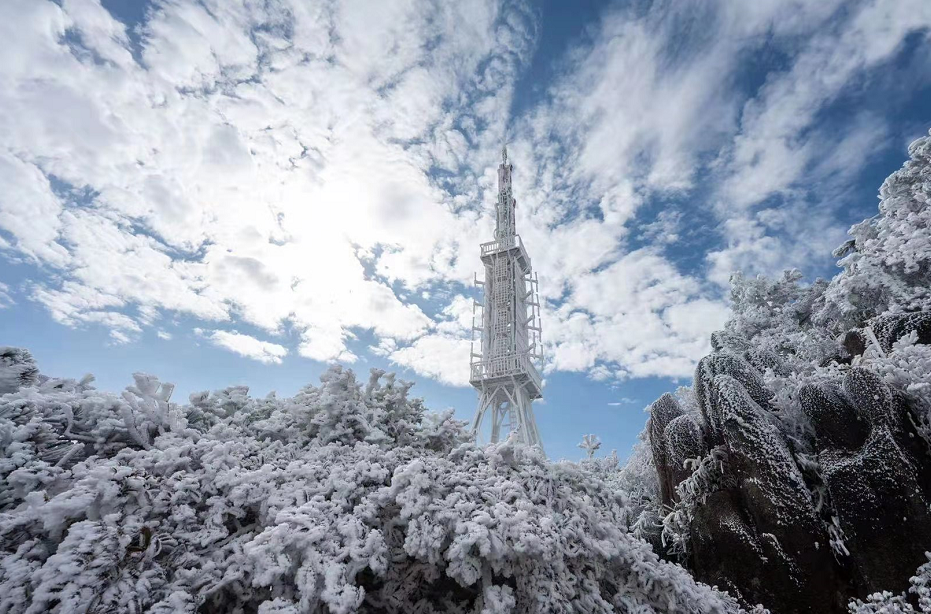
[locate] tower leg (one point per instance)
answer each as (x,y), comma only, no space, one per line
(497,417)
(483,402)
(508,409)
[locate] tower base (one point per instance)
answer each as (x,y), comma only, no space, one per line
(507,409)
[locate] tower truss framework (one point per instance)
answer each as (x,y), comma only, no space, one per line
(506,368)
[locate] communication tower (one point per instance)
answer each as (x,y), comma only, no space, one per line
(505,370)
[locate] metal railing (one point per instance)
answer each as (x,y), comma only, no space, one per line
(505,366)
(506,244)
(503,244)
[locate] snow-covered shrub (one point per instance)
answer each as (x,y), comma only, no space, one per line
(886,602)
(887,263)
(883,294)
(17,369)
(707,477)
(590,443)
(346,497)
(775,314)
(886,272)
(637,478)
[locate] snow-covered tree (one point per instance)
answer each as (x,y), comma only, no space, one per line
(887,261)
(590,443)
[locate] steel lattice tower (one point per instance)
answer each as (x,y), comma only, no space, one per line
(505,370)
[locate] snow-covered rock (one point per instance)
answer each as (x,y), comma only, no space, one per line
(815,410)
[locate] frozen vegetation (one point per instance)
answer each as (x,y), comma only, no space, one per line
(795,473)
(347,497)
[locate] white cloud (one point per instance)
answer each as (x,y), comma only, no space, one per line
(635,316)
(119,337)
(457,316)
(236,174)
(444,352)
(638,113)
(772,240)
(245,345)
(290,165)
(5,299)
(29,211)
(781,151)
(664,229)
(443,357)
(600,373)
(776,144)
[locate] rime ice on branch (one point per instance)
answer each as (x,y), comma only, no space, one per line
(504,371)
(590,443)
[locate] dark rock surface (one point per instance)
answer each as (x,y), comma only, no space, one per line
(17,369)
(739,369)
(684,440)
(662,412)
(891,328)
(798,532)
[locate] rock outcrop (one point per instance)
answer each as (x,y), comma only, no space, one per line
(796,472)
(797,523)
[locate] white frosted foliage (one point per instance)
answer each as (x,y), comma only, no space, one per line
(347,497)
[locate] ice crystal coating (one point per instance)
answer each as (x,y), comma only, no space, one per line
(684,442)
(663,411)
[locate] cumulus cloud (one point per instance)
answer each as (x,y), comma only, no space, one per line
(239,169)
(638,315)
(245,345)
(440,356)
(29,211)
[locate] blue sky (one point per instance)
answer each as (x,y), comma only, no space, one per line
(223,193)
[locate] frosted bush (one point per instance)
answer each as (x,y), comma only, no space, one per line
(886,602)
(347,497)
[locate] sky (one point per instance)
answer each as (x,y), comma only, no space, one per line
(225,192)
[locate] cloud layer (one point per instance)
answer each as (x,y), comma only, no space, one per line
(327,169)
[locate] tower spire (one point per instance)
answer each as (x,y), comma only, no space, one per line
(505,207)
(505,370)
